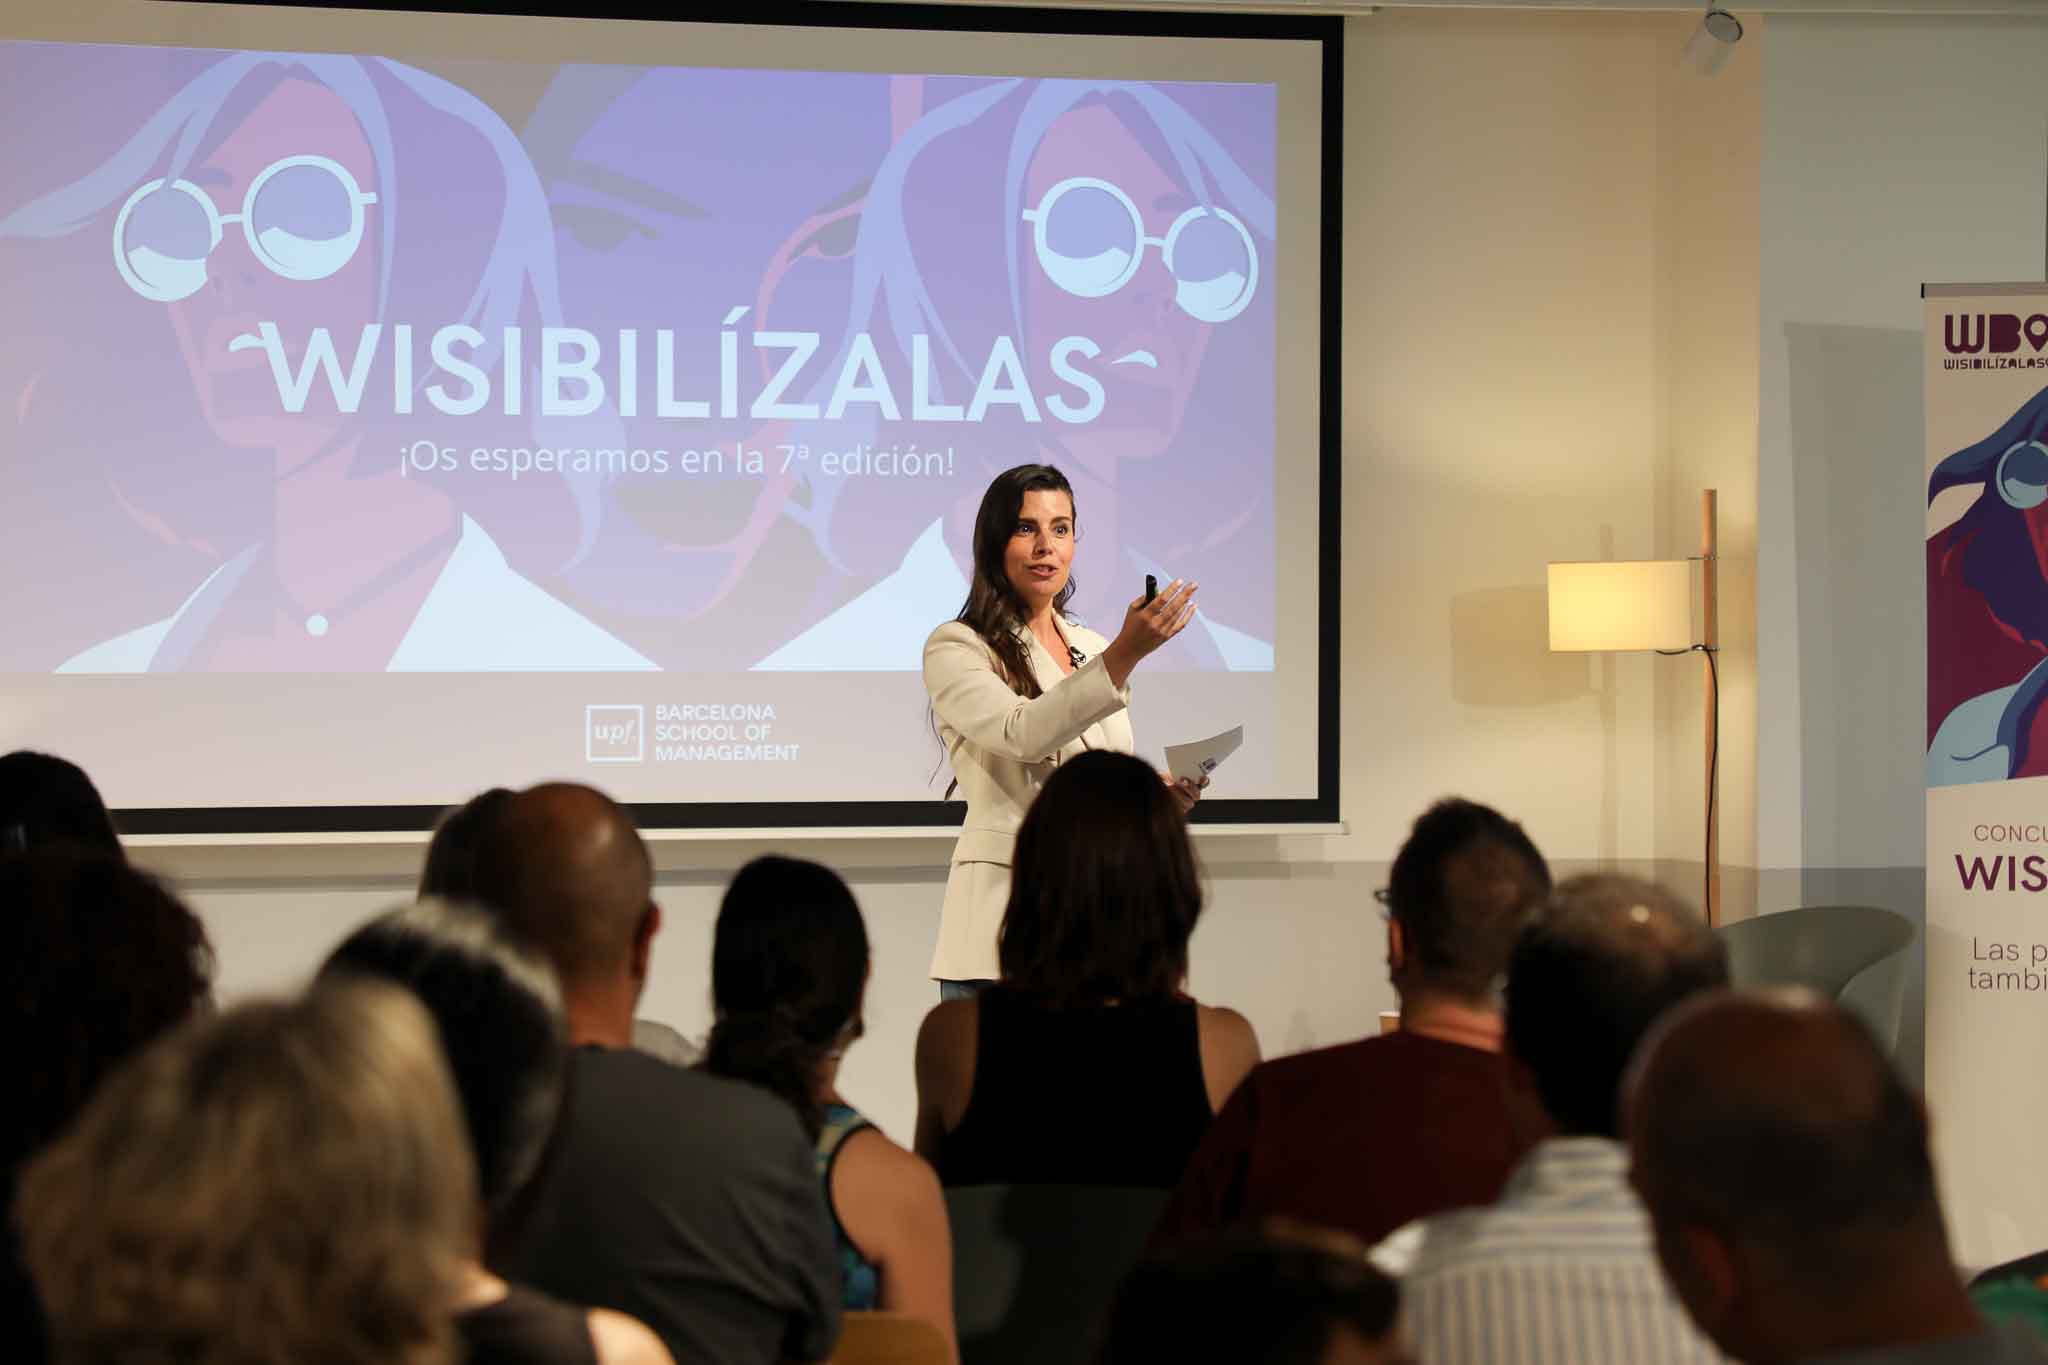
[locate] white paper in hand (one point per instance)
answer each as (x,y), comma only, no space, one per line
(1193,762)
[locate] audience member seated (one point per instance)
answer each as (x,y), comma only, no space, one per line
(1787,1173)
(687,1200)
(97,959)
(1369,1135)
(285,1182)
(498,1013)
(448,876)
(789,975)
(1259,1297)
(449,871)
(1086,1063)
(46,800)
(1562,1269)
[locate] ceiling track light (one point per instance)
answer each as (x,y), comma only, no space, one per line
(1713,42)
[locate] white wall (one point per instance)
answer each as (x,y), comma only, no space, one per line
(1503,407)
(1709,134)
(1499,413)
(1896,151)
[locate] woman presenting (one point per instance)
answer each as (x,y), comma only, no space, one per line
(1015,688)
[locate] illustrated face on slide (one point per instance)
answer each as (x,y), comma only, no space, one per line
(661,232)
(236,392)
(1041,549)
(1145,398)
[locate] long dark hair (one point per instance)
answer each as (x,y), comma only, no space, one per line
(1104,892)
(499,1011)
(97,959)
(789,965)
(993,608)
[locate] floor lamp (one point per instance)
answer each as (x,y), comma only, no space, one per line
(1647,604)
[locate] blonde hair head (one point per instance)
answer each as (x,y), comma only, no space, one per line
(288,1181)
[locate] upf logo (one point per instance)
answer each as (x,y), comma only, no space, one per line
(614,734)
(1992,333)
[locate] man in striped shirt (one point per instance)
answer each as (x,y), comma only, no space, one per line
(1563,1270)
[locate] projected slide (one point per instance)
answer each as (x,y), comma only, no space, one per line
(508,374)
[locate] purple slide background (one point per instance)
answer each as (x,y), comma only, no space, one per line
(138,454)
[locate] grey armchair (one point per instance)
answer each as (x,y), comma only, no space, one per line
(1852,953)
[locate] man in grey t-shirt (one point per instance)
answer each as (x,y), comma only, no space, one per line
(1787,1174)
(688,1201)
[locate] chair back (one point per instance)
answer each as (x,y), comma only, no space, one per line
(889,1339)
(1852,953)
(2029,1267)
(1035,1266)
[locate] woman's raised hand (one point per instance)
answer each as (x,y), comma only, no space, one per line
(1147,626)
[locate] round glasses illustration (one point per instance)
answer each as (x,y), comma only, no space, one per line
(2022,475)
(302,216)
(1090,239)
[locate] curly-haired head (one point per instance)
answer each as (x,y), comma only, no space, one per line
(96,959)
(284,1182)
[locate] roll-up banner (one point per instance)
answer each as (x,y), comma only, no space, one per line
(1987,760)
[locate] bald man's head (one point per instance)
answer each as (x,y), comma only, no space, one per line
(565,867)
(1775,1119)
(1588,977)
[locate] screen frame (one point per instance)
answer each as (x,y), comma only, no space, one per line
(1321,809)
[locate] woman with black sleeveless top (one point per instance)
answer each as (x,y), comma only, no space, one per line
(1087,1063)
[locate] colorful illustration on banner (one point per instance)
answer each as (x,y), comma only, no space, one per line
(1987,608)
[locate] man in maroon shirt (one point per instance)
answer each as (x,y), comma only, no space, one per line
(1366,1136)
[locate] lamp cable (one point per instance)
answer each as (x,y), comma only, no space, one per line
(1713,769)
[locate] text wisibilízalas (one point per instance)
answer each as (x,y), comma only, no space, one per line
(575,376)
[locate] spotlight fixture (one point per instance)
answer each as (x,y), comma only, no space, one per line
(1713,42)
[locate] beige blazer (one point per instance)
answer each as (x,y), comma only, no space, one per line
(1003,747)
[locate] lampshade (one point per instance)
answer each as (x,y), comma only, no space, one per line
(1621,604)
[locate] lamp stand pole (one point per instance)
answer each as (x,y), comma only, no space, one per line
(1711,638)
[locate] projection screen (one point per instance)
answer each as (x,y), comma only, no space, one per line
(396,404)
